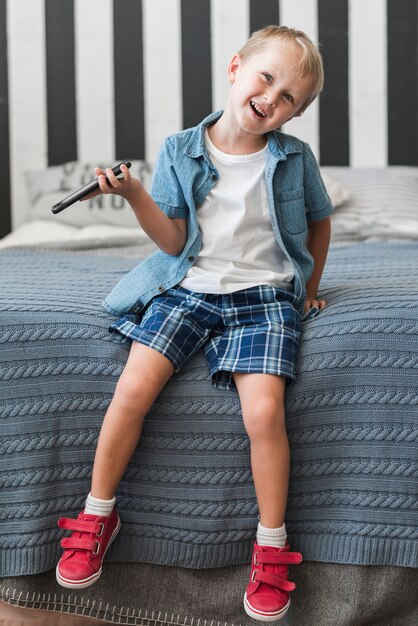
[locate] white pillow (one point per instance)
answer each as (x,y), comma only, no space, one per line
(41,232)
(38,231)
(336,191)
(383,204)
(47,187)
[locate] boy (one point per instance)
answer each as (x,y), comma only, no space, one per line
(240,215)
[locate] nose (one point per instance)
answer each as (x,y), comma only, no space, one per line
(273,106)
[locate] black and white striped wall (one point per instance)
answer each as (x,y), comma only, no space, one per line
(103,80)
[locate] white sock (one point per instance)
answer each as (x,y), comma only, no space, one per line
(95,506)
(274,537)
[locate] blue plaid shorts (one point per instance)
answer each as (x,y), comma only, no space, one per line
(255,330)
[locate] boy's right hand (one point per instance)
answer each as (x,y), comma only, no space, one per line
(123,186)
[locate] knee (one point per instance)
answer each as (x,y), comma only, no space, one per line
(127,388)
(264,418)
(134,386)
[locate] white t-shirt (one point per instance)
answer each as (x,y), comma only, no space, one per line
(239,250)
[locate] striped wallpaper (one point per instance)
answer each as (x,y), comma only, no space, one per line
(103,80)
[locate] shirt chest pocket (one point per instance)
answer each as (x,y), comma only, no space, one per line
(292,211)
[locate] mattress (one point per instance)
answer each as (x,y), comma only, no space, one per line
(187,497)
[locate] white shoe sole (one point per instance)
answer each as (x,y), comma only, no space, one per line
(264,617)
(86,582)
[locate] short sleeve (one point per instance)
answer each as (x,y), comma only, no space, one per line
(317,201)
(166,190)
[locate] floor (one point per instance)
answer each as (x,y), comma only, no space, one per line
(16,616)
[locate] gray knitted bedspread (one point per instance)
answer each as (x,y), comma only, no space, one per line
(187,497)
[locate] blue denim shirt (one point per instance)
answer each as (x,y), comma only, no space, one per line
(183,177)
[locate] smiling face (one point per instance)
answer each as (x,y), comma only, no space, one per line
(266,90)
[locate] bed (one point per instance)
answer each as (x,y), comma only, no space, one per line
(187,501)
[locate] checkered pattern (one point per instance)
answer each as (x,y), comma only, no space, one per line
(255,330)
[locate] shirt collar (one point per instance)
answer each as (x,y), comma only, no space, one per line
(280,144)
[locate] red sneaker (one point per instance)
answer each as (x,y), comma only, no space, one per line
(81,563)
(267,596)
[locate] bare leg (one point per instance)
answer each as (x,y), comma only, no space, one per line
(145,374)
(262,403)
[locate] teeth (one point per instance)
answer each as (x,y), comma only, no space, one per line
(259,111)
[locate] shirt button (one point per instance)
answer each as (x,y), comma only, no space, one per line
(214,177)
(161,288)
(190,258)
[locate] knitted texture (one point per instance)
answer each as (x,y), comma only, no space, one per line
(187,496)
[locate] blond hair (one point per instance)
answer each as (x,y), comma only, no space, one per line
(310,64)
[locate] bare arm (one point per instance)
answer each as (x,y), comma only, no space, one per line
(319,234)
(169,234)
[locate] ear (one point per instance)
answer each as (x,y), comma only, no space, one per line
(233,68)
(298,114)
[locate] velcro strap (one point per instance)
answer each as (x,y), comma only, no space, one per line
(82,526)
(274,580)
(279,558)
(73,543)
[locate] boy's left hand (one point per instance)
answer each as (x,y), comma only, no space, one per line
(312,301)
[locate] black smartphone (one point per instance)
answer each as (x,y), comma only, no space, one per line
(83,191)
